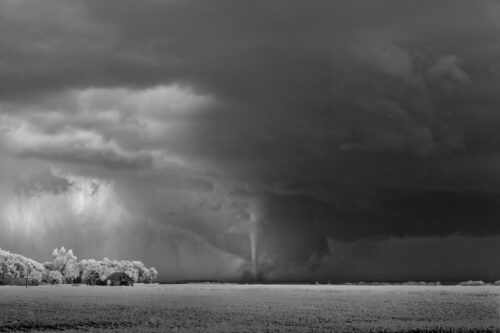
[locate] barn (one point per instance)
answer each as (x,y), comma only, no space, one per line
(119,279)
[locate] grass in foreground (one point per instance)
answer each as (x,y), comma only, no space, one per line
(250,308)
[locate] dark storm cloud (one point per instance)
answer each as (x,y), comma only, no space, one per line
(296,229)
(345,120)
(448,259)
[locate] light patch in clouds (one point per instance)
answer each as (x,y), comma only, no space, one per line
(113,128)
(90,216)
(386,56)
(89,201)
(73,145)
(447,72)
(159,101)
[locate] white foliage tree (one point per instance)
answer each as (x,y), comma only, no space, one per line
(90,268)
(153,273)
(35,277)
(66,263)
(65,269)
(55,277)
(16,267)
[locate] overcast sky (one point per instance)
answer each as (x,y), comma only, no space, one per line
(345,140)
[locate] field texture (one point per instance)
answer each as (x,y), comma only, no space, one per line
(250,308)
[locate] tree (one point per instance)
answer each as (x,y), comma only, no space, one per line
(153,274)
(88,267)
(15,267)
(94,279)
(66,269)
(35,277)
(142,272)
(55,277)
(71,272)
(66,263)
(129,269)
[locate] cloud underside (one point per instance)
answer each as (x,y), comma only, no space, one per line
(297,124)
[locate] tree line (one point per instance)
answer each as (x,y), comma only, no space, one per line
(65,268)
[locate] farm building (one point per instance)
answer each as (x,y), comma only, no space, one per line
(119,279)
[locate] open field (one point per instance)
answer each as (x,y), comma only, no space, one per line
(250,308)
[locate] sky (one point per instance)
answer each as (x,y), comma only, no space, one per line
(234,140)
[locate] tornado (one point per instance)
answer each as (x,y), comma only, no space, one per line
(253,251)
(254,239)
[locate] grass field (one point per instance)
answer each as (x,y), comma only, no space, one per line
(250,308)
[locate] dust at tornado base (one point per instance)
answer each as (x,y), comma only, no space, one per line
(250,308)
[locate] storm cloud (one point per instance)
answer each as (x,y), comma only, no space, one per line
(220,136)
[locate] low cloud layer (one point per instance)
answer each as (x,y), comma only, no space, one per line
(197,136)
